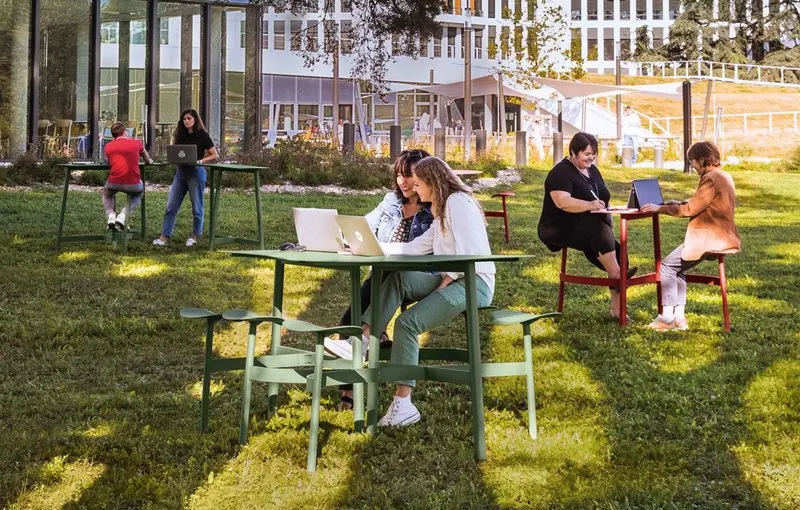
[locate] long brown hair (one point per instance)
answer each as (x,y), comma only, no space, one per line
(181,133)
(440,177)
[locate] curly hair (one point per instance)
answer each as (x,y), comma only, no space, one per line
(440,177)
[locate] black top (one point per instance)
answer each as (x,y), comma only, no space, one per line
(565,177)
(202,140)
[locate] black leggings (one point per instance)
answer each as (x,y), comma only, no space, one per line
(593,236)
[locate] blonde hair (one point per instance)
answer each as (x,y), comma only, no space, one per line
(440,177)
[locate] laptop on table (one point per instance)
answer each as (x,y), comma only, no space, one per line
(645,191)
(182,154)
(317,229)
(360,236)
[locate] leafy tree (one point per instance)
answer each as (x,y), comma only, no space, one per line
(375,23)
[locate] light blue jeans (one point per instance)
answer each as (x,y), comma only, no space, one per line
(191,180)
(633,141)
(433,308)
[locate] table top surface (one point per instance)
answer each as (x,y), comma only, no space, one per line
(338,259)
(95,165)
(629,213)
(467,172)
(233,166)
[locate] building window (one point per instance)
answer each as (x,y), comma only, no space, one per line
(491,10)
(437,47)
(312,39)
(164,31)
(674,7)
(451,42)
(478,43)
(330,6)
(423,47)
(109,33)
(138,32)
(331,35)
(608,10)
(347,5)
(641,9)
(347,37)
(395,44)
(280,35)
(575,11)
(242,32)
(296,26)
(265,35)
(608,44)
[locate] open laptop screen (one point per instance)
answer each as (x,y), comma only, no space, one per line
(645,191)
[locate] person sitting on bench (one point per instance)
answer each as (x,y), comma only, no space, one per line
(123,154)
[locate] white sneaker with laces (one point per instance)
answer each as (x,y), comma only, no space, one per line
(112,221)
(158,242)
(344,348)
(401,413)
(191,242)
(120,222)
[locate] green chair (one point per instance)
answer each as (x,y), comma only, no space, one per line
(507,317)
(210,364)
(289,366)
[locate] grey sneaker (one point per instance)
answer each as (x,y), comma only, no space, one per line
(158,242)
(344,348)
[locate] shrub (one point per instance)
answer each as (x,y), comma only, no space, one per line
(312,164)
(27,169)
(792,161)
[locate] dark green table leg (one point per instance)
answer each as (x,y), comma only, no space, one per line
(355,320)
(143,209)
(476,380)
(63,209)
(125,233)
(210,204)
(215,191)
(257,178)
(277,306)
(374,350)
(209,353)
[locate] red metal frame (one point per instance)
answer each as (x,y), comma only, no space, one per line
(721,282)
(623,280)
(504,213)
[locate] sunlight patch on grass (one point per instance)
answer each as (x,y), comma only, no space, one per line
(144,268)
(102,430)
(544,272)
(196,389)
(74,256)
(62,483)
(772,412)
(785,254)
(677,352)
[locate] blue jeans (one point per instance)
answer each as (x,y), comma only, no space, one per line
(631,140)
(188,179)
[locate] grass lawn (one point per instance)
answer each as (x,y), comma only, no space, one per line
(100,379)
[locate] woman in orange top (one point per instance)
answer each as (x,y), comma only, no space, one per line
(711,229)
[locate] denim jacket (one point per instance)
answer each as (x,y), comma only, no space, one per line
(385,218)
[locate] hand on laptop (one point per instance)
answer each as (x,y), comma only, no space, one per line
(650,208)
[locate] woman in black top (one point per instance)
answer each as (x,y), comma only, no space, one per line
(189,179)
(572,189)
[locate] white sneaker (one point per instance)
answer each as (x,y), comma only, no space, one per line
(344,348)
(112,221)
(191,242)
(401,413)
(158,242)
(120,222)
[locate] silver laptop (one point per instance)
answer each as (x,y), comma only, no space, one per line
(317,229)
(359,236)
(182,154)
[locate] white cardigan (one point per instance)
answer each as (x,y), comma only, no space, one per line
(465,235)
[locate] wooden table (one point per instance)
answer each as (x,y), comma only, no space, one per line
(625,215)
(471,374)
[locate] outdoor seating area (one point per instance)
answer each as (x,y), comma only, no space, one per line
(248,367)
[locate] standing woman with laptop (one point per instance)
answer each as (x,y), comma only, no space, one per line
(711,229)
(572,190)
(189,179)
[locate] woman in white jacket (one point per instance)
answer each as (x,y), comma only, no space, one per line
(459,228)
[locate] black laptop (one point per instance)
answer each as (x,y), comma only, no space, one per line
(182,154)
(645,191)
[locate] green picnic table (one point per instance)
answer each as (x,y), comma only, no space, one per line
(112,236)
(470,373)
(215,171)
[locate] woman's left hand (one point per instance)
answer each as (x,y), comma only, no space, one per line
(446,280)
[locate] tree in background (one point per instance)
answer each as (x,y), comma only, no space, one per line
(375,24)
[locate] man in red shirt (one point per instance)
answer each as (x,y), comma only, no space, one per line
(123,157)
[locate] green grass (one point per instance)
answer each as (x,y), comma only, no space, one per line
(100,379)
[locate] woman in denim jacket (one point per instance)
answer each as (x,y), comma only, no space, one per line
(400,217)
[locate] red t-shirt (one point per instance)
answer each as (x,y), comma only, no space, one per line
(123,156)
